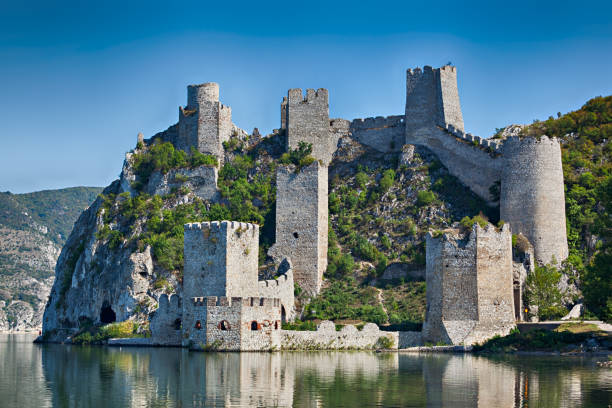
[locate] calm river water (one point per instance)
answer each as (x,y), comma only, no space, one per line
(79,376)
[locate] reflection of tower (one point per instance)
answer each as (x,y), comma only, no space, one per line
(468,381)
(235,379)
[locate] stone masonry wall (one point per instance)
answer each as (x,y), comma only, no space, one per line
(469,286)
(451,289)
(234,324)
(421,101)
(494,283)
(449,107)
(166,321)
(432,99)
(266,313)
(308,121)
(385,134)
(302,223)
(327,338)
(475,167)
(204,123)
(281,288)
(532,195)
(220,259)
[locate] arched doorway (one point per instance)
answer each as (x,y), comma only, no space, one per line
(283,314)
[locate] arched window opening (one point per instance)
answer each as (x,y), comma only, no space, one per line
(177,324)
(254,325)
(107,314)
(283,315)
(224,325)
(198,325)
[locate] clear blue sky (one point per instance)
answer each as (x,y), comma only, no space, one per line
(79,80)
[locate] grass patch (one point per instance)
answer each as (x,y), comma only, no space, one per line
(101,334)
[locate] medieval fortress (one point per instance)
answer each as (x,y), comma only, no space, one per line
(474,280)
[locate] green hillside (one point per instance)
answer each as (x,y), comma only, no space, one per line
(55,209)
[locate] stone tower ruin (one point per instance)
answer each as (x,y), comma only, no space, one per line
(532,194)
(306,119)
(469,286)
(302,222)
(432,99)
(205,123)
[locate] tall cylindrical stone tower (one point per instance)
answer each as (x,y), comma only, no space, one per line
(199,94)
(532,194)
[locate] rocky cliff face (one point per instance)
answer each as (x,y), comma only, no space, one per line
(33,227)
(123,254)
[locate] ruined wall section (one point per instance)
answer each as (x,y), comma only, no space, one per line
(474,166)
(327,338)
(385,134)
(469,286)
(302,223)
(166,321)
(282,288)
(308,121)
(532,195)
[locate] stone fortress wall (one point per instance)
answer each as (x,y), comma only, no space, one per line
(282,288)
(385,134)
(327,338)
(469,286)
(221,258)
(302,222)
(166,321)
(235,324)
(530,172)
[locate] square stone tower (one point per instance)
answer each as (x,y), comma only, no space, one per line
(220,259)
(302,222)
(306,119)
(205,123)
(469,286)
(432,99)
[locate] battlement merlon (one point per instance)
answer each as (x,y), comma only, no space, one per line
(202,93)
(223,301)
(320,96)
(217,226)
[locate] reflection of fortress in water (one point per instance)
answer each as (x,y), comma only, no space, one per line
(173,377)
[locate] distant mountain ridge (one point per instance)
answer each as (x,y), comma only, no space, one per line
(33,229)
